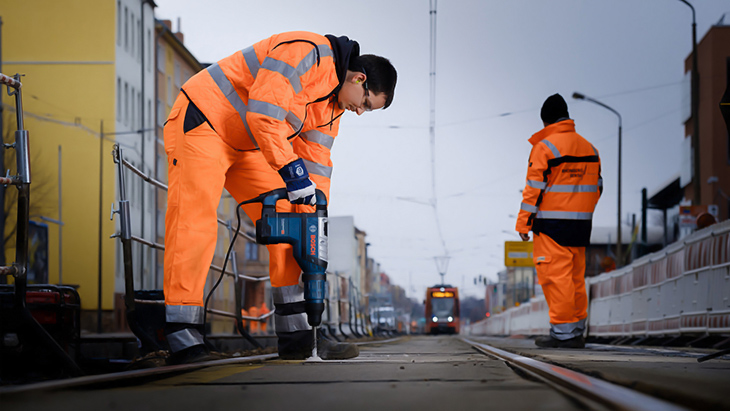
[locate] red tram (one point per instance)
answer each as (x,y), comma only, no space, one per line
(442,309)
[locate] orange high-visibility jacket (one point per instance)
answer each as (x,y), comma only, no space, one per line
(275,96)
(563,186)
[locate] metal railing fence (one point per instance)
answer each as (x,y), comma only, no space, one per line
(347,311)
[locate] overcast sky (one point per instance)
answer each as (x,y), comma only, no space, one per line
(493,58)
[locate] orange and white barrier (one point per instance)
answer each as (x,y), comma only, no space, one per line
(681,289)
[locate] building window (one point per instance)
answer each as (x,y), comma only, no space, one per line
(160,58)
(119,23)
(126,29)
(119,99)
(133,113)
(177,75)
(149,50)
(169,90)
(133,44)
(126,103)
(252,251)
(160,114)
(141,40)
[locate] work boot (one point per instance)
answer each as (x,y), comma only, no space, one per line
(547,341)
(328,350)
(301,349)
(196,353)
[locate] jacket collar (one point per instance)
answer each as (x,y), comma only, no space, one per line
(344,50)
(565,126)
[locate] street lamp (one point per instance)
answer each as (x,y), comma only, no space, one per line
(695,112)
(579,96)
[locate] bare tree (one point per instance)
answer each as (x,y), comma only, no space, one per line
(42,189)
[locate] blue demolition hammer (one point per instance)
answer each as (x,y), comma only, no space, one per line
(307,233)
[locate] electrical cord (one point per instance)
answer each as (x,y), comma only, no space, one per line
(223,270)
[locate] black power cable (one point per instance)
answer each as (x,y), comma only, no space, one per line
(223,270)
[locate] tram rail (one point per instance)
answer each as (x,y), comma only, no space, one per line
(578,385)
(131,376)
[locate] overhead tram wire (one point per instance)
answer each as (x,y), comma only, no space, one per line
(535,109)
(432,127)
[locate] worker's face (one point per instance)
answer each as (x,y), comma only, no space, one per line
(355,96)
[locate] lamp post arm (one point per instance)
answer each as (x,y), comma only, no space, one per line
(691,7)
(606,107)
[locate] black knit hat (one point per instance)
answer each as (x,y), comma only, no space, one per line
(553,109)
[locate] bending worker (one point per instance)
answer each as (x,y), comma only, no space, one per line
(260,119)
(563,186)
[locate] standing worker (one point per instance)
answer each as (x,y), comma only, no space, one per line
(563,186)
(260,119)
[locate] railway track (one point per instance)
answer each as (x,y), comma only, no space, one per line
(410,372)
(578,385)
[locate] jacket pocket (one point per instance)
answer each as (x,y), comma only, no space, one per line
(542,266)
(541,259)
(170,135)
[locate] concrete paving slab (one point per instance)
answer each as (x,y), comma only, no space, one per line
(424,373)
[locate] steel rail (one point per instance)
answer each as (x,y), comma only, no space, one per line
(604,392)
(162,186)
(159,246)
(129,375)
(211,310)
(245,317)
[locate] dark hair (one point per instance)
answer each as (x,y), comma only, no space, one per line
(381,75)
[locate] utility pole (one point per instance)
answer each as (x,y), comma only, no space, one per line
(696,183)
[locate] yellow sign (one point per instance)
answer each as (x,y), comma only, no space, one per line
(442,294)
(518,254)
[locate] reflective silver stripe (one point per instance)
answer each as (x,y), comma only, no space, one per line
(568,188)
(594,150)
(249,54)
(318,169)
(267,109)
(319,138)
(600,182)
(290,323)
(285,70)
(184,338)
(186,314)
(552,148)
(294,74)
(311,58)
(565,215)
(289,294)
(528,208)
(536,184)
(567,330)
(227,88)
(294,121)
(324,50)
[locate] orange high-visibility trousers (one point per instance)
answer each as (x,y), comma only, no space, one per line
(561,273)
(200,165)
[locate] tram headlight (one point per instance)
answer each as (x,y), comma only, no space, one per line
(434,319)
(450,318)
